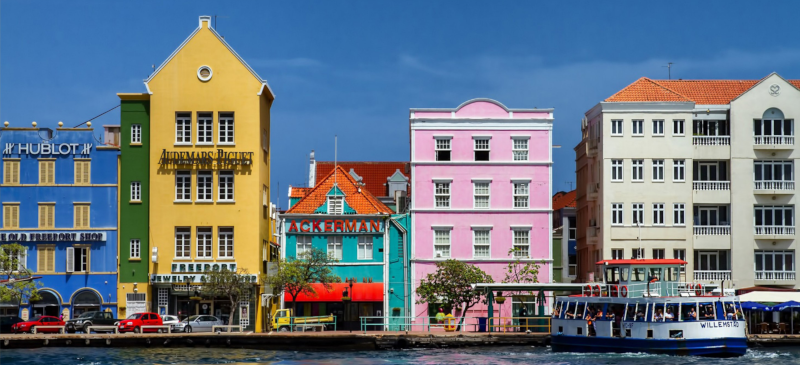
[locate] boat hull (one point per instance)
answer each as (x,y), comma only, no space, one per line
(715,347)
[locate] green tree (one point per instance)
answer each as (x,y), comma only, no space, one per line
(16,284)
(451,284)
(296,275)
(521,272)
(234,285)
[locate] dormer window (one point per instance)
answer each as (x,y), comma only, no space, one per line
(335,205)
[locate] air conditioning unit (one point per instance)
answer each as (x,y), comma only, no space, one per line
(593,223)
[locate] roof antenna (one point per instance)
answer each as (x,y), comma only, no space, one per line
(570,184)
(335,165)
(669,70)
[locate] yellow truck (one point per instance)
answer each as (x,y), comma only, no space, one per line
(284,322)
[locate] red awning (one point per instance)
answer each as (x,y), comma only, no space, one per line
(360,292)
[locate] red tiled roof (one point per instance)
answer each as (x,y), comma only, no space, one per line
(373,174)
(361,201)
(562,199)
(299,192)
(702,92)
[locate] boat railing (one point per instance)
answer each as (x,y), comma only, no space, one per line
(637,290)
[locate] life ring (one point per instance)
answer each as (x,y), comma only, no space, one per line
(623,291)
(597,292)
(588,290)
(450,321)
(614,291)
(698,290)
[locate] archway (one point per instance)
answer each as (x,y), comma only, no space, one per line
(48,304)
(85,301)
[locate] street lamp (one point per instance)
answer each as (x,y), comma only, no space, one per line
(188,297)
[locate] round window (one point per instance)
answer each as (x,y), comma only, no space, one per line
(204,73)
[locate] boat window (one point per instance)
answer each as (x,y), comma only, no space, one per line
(580,311)
(637,274)
(706,312)
(624,274)
(630,313)
(675,333)
(658,312)
(641,311)
(557,309)
(739,312)
(612,275)
(570,313)
(730,311)
(655,272)
(671,274)
(614,312)
(689,312)
(670,314)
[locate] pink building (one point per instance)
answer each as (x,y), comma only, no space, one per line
(481,184)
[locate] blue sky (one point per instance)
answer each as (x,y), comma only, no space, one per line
(354,68)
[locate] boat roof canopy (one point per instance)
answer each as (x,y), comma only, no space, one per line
(643,262)
(487,287)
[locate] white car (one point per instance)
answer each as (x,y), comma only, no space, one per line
(170,320)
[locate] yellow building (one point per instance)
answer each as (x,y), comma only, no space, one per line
(209,177)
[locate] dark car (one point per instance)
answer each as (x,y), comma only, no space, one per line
(28,326)
(93,318)
(6,322)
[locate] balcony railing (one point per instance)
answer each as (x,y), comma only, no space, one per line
(711,140)
(711,185)
(774,230)
(773,140)
(712,230)
(775,275)
(774,185)
(712,275)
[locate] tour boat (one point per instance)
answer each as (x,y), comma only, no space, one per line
(642,306)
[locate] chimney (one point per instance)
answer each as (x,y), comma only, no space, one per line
(205,19)
(312,171)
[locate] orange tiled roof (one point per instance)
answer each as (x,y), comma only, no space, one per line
(373,173)
(363,202)
(562,200)
(697,91)
(299,192)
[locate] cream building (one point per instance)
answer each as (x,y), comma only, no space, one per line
(701,170)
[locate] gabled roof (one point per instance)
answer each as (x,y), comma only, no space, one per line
(206,18)
(703,92)
(373,174)
(645,89)
(295,192)
(562,200)
(360,200)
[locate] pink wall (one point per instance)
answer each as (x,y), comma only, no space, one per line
(463,147)
(482,109)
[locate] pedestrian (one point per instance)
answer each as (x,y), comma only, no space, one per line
(61,317)
(523,322)
(440,316)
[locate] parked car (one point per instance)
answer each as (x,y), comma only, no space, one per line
(6,322)
(135,322)
(169,320)
(93,318)
(28,326)
(197,324)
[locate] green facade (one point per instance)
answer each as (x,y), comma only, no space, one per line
(134,216)
(558,260)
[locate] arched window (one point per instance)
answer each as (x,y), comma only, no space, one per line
(87,298)
(773,128)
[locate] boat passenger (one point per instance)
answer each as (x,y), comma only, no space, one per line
(659,315)
(640,316)
(707,313)
(610,315)
(569,314)
(599,313)
(669,316)
(730,314)
(691,316)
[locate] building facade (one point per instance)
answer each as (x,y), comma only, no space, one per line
(59,197)
(209,160)
(481,186)
(564,237)
(699,170)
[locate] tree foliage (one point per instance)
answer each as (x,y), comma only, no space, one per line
(234,285)
(12,269)
(451,284)
(521,272)
(296,275)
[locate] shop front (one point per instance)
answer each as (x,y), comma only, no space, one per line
(347,301)
(48,304)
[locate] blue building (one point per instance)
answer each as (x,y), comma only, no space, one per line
(59,194)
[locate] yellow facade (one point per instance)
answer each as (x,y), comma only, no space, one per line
(176,88)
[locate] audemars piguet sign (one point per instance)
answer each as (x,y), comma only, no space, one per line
(206,158)
(47,149)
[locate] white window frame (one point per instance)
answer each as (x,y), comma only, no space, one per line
(336,204)
(304,244)
(205,128)
(226,132)
(637,170)
(658,214)
(205,243)
(637,253)
(679,170)
(481,144)
(519,148)
(205,186)
(335,247)
(658,127)
(617,167)
(637,127)
(617,253)
(365,247)
(78,254)
(183,177)
(772,255)
(442,249)
(479,193)
(226,187)
(487,245)
(678,214)
(136,133)
(136,191)
(521,194)
(517,237)
(658,170)
(136,248)
(225,242)
(774,209)
(183,128)
(617,214)
(659,253)
(443,144)
(617,127)
(183,240)
(637,214)
(678,127)
(441,194)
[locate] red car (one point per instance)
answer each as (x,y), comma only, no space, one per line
(134,323)
(28,326)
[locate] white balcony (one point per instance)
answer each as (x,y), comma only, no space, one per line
(775,275)
(712,230)
(710,275)
(773,140)
(774,185)
(711,185)
(774,230)
(711,140)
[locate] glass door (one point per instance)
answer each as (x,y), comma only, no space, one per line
(709,261)
(709,216)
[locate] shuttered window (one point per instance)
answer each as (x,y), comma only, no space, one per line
(10,172)
(83,172)
(47,216)
(46,258)
(81,215)
(47,172)
(10,216)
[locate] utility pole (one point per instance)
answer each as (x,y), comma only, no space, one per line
(669,70)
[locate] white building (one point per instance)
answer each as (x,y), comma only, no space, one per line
(701,170)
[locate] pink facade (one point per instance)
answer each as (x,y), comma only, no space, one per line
(444,220)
